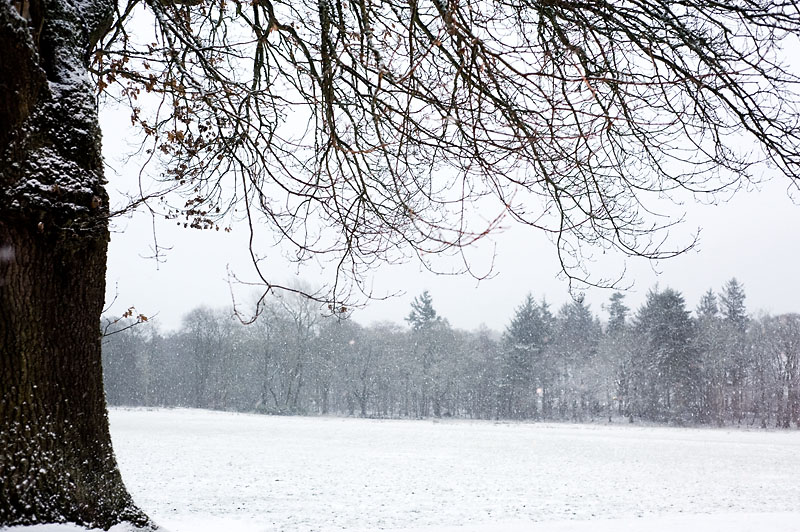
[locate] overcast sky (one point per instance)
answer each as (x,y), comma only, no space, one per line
(752,237)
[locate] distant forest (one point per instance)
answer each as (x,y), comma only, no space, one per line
(662,363)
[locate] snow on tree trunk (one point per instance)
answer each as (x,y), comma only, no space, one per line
(56,460)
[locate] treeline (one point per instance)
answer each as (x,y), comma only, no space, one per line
(662,363)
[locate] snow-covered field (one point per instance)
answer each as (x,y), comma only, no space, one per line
(195,471)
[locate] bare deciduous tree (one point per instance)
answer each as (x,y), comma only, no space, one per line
(360,131)
(386,124)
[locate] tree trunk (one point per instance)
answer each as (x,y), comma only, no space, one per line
(56,460)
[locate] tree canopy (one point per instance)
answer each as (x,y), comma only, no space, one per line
(371,131)
(358,132)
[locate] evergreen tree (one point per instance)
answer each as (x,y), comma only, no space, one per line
(615,352)
(546,372)
(574,354)
(428,331)
(668,372)
(736,358)
(733,302)
(523,345)
(423,315)
(709,343)
(617,314)
(708,307)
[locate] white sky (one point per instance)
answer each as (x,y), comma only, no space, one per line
(752,237)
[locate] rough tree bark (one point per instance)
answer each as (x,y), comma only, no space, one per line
(56,460)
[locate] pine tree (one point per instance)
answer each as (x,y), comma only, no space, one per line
(617,314)
(736,358)
(429,333)
(733,307)
(708,307)
(423,315)
(574,352)
(523,341)
(615,352)
(709,342)
(668,373)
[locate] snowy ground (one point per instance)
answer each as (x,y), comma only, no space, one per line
(198,471)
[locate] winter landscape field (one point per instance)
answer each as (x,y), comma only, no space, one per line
(198,471)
